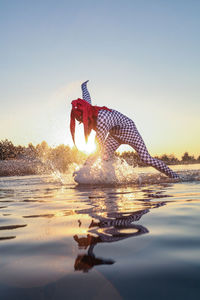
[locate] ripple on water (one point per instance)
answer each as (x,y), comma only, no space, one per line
(54,234)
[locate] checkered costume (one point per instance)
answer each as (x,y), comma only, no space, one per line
(114,129)
(120,221)
(85,93)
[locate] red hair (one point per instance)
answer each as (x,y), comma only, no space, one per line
(86,113)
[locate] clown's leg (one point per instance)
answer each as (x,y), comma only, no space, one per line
(110,146)
(130,135)
(139,145)
(108,157)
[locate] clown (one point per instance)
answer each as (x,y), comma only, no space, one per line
(112,129)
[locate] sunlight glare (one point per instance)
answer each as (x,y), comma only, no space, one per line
(90,147)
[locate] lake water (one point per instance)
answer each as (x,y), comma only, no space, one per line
(59,240)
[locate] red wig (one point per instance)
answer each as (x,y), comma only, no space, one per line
(85,113)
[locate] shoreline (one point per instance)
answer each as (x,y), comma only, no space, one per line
(22,167)
(28,166)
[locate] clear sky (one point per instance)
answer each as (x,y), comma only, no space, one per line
(142,57)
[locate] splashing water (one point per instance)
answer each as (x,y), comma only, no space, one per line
(118,171)
(107,172)
(114,172)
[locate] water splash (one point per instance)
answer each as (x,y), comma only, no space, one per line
(115,172)
(118,171)
(107,172)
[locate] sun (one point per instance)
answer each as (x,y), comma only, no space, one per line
(90,147)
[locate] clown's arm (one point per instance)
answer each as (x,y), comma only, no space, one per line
(85,93)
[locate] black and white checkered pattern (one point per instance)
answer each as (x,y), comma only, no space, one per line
(85,93)
(122,221)
(114,129)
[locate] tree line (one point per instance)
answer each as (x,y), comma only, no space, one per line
(133,158)
(62,156)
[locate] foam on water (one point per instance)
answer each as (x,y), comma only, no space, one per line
(119,171)
(111,172)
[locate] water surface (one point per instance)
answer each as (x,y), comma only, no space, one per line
(59,240)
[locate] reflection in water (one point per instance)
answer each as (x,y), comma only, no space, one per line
(112,232)
(9,227)
(59,217)
(86,262)
(7,238)
(40,216)
(47,231)
(112,223)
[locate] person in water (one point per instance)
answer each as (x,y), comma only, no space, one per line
(112,129)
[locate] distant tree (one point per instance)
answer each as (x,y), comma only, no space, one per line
(132,158)
(20,151)
(78,156)
(7,150)
(186,158)
(31,151)
(43,150)
(59,157)
(62,156)
(173,159)
(168,159)
(165,158)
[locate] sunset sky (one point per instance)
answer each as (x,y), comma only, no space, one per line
(141,57)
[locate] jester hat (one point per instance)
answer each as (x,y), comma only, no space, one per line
(84,112)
